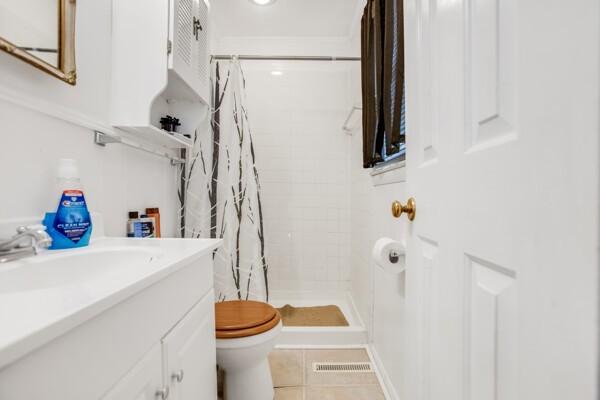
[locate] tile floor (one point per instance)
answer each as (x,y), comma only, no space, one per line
(294,379)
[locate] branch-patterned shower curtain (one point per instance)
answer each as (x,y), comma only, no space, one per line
(221,191)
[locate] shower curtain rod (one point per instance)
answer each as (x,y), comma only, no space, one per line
(283,58)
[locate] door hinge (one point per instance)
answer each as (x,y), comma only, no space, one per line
(169,47)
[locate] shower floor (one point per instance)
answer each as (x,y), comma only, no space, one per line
(329,315)
(353,334)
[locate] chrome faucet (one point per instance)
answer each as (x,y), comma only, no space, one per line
(27,242)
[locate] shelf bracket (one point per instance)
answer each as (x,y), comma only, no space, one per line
(102,139)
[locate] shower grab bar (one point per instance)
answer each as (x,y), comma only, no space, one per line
(216,57)
(346,128)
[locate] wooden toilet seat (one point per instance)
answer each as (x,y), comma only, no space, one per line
(238,319)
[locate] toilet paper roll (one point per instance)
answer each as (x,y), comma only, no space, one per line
(390,255)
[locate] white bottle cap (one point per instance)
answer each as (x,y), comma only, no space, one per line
(67,169)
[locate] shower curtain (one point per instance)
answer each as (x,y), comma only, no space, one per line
(220,193)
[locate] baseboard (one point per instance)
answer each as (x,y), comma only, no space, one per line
(384,379)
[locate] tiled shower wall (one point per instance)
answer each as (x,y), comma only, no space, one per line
(303,160)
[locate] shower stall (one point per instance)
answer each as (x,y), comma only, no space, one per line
(273,179)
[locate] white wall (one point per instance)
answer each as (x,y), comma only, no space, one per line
(303,158)
(379,296)
(116,178)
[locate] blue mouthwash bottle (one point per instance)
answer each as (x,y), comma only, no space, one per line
(71,225)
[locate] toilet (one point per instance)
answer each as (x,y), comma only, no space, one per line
(246,332)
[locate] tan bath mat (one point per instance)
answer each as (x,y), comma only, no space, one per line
(312,316)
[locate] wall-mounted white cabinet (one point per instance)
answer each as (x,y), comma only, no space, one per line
(188,38)
(159,71)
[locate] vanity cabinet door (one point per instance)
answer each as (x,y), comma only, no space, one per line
(143,382)
(189,353)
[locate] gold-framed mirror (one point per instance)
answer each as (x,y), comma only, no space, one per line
(41,33)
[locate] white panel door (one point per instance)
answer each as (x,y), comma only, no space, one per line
(502,139)
(143,382)
(190,354)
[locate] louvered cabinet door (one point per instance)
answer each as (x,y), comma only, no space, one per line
(183,41)
(202,62)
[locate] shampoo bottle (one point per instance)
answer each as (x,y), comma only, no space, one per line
(71,225)
(134,227)
(154,212)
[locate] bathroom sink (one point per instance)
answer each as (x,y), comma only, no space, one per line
(67,268)
(46,295)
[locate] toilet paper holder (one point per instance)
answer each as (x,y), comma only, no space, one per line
(390,255)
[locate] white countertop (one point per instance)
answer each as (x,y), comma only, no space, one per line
(45,296)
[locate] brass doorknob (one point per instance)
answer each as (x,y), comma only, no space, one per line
(410,209)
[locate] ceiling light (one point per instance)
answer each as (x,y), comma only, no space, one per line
(263,2)
(276,73)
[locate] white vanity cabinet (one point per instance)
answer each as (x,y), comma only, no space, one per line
(182,367)
(189,359)
(143,382)
(157,338)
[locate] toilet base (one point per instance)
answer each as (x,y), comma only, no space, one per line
(253,383)
(246,366)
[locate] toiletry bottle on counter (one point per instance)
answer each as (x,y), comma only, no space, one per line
(147,224)
(140,226)
(134,228)
(154,212)
(70,226)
